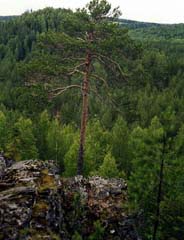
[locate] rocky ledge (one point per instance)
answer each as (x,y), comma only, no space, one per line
(36,203)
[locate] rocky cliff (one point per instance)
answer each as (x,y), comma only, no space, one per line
(36,203)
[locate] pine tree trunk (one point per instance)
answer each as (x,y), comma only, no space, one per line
(84,117)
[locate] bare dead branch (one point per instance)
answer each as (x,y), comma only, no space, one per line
(96,93)
(57,91)
(73,58)
(100,78)
(76,70)
(81,39)
(100,57)
(36,78)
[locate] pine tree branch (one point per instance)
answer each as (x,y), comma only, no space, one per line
(100,78)
(96,93)
(57,91)
(73,58)
(76,70)
(100,57)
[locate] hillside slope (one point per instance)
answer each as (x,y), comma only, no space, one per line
(135,128)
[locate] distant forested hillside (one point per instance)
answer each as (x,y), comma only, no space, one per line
(130,24)
(159,32)
(166,37)
(136,106)
(4,18)
(153,31)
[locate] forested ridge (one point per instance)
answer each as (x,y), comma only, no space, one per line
(135,128)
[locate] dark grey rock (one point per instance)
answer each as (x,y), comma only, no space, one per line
(35,203)
(2,165)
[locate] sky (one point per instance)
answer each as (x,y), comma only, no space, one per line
(160,11)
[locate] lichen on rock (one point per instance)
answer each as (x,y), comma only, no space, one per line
(36,203)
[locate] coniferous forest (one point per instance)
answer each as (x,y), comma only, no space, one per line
(135,125)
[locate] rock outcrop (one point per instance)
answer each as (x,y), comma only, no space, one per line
(36,203)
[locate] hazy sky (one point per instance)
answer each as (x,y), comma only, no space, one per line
(163,11)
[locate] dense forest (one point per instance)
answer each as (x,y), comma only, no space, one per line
(136,106)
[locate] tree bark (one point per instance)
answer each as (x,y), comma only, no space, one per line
(84,116)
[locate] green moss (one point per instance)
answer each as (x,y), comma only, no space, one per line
(46,181)
(98,231)
(39,235)
(76,236)
(24,232)
(40,207)
(54,236)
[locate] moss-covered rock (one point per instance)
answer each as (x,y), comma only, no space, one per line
(37,204)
